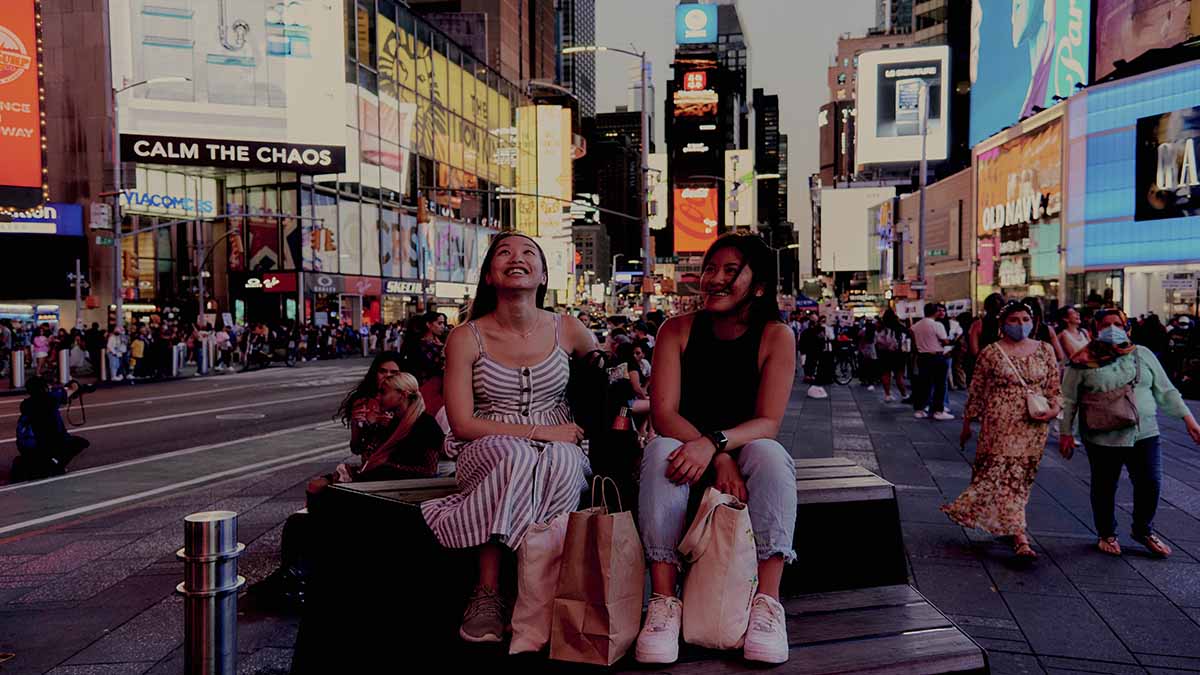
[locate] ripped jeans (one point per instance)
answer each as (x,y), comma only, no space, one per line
(770,476)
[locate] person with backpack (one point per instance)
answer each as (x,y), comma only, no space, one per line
(889,341)
(42,439)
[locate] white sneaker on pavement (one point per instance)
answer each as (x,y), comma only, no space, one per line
(920,414)
(766,637)
(871,388)
(817,392)
(888,398)
(659,640)
(943,416)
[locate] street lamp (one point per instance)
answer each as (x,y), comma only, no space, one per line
(643,198)
(612,276)
(118,273)
(778,274)
(737,186)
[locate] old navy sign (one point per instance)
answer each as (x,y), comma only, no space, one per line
(233,154)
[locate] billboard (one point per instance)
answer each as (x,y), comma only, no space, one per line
(695,218)
(554,177)
(846,228)
(657,176)
(21,131)
(1126,29)
(256,84)
(700,104)
(1020,181)
(739,172)
(695,24)
(891,83)
(1168,182)
(1023,54)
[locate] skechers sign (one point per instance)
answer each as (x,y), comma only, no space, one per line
(1168,178)
(132,200)
(695,24)
(234,154)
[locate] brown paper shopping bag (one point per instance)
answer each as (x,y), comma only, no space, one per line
(598,604)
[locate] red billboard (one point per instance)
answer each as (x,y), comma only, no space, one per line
(696,213)
(21,177)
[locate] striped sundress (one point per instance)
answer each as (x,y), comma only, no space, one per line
(508,483)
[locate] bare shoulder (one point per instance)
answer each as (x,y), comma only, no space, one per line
(462,341)
(677,326)
(778,334)
(578,337)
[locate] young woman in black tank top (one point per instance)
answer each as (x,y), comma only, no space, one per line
(722,379)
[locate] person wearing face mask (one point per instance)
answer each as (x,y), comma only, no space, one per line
(722,377)
(1110,363)
(1013,434)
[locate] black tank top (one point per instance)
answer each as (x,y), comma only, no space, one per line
(719,378)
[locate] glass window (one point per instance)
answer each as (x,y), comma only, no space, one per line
(424,61)
(406,68)
(841,78)
(365,29)
(455,124)
(440,76)
(292,231)
(349,237)
(454,97)
(388,45)
(370,239)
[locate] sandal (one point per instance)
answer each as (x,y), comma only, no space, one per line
(1156,546)
(1022,549)
(1109,545)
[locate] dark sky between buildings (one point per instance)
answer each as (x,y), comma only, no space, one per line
(791,42)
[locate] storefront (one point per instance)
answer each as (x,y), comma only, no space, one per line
(401,299)
(1019,202)
(264,297)
(1133,215)
(38,253)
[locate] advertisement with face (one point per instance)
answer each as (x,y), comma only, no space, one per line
(1168,181)
(1023,54)
(20,106)
(891,85)
(256,84)
(1125,29)
(696,216)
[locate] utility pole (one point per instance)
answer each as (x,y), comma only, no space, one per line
(643,194)
(924,107)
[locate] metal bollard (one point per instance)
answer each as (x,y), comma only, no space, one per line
(175,361)
(64,366)
(210,589)
(103,369)
(16,370)
(202,356)
(365,346)
(210,346)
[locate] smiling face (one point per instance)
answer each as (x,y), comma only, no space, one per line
(726,281)
(1073,318)
(516,264)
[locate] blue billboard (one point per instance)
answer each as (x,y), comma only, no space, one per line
(1024,53)
(695,24)
(65,220)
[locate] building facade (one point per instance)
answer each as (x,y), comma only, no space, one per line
(577,72)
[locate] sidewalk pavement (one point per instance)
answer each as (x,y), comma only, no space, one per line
(96,597)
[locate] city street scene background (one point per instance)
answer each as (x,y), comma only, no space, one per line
(219,219)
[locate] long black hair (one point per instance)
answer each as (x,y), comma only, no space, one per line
(486,298)
(366,388)
(761,260)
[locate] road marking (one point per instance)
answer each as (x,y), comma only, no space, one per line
(242,416)
(273,464)
(155,458)
(216,389)
(193,413)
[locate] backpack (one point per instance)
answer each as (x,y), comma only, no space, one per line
(26,438)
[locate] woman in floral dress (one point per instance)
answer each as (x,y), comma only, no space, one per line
(1011,441)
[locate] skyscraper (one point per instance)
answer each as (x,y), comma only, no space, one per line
(577,26)
(522,35)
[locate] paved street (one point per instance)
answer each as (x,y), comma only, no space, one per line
(87,574)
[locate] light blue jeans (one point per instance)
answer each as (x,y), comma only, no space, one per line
(770,476)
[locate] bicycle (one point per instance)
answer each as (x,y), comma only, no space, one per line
(845,363)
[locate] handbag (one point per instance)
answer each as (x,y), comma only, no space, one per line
(724,574)
(1035,403)
(1114,409)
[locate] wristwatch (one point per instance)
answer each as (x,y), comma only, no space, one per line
(719,439)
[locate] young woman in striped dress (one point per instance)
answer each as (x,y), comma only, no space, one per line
(517,447)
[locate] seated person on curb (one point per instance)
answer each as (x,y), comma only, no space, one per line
(722,378)
(517,445)
(42,439)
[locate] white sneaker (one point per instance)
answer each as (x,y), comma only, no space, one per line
(659,640)
(766,638)
(817,392)
(943,416)
(889,398)
(871,388)
(118,378)
(920,414)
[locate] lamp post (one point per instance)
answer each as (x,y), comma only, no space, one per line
(924,108)
(118,273)
(778,274)
(643,197)
(612,278)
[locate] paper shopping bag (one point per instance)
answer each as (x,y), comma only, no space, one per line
(538,561)
(598,605)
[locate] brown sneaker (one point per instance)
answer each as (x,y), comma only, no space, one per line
(484,618)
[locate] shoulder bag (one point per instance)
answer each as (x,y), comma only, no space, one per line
(1114,409)
(1035,403)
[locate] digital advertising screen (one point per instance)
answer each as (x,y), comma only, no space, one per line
(255,84)
(1023,54)
(696,216)
(891,84)
(695,24)
(21,176)
(1168,180)
(1126,29)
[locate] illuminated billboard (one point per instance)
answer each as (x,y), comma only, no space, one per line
(696,103)
(1125,29)
(695,24)
(696,216)
(891,84)
(21,129)
(256,84)
(1023,54)
(1168,181)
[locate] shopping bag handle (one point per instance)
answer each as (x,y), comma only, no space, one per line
(698,536)
(605,480)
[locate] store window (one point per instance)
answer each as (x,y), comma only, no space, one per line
(1096,289)
(365,33)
